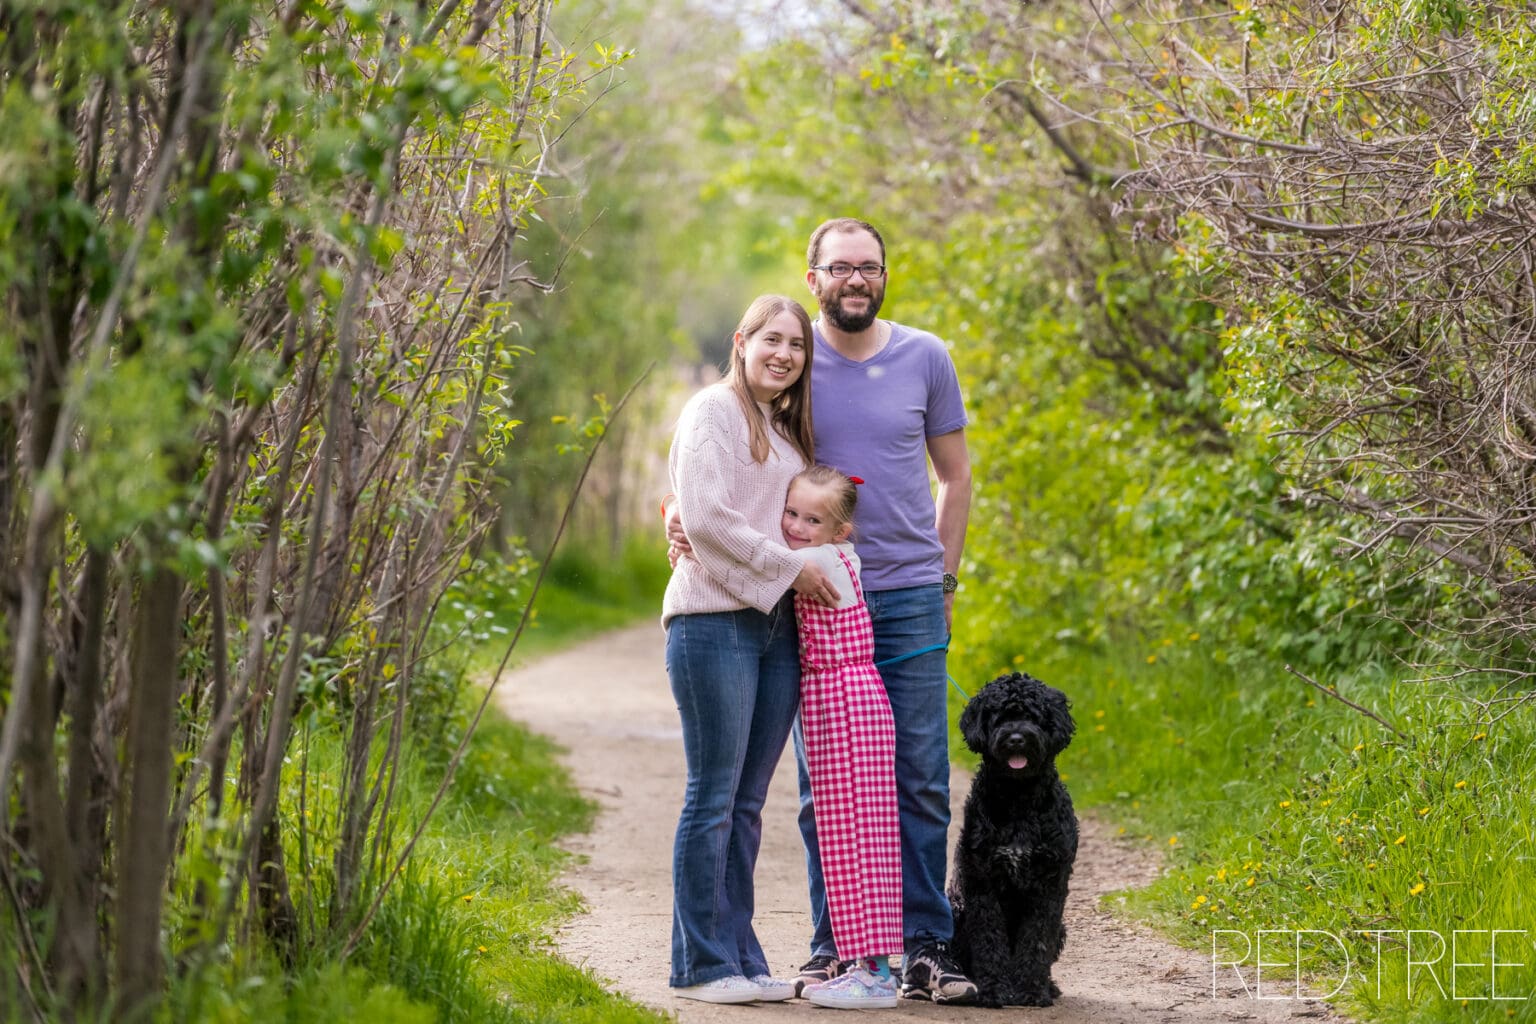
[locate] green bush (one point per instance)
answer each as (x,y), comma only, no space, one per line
(581,594)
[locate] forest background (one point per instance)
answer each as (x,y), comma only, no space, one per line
(317,314)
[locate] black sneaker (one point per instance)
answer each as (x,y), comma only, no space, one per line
(930,972)
(819,968)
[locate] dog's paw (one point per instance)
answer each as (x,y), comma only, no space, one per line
(1040,997)
(1027,995)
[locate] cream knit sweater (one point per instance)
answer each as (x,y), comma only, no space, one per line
(732,510)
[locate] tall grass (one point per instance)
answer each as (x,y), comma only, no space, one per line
(1284,811)
(466,934)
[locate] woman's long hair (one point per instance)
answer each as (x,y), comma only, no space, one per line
(791,408)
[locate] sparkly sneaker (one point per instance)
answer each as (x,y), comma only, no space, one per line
(818,970)
(859,989)
(731,989)
(930,972)
(774,990)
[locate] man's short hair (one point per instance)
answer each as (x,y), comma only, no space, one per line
(813,251)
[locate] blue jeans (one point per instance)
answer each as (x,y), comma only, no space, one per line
(736,679)
(905,620)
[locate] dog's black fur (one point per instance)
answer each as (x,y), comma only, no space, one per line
(1017,843)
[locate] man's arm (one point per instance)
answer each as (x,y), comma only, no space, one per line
(952,467)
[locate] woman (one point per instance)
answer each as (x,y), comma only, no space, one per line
(732,653)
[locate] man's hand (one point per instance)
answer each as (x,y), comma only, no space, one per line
(677,541)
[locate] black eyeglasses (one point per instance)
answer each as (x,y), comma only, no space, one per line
(869,271)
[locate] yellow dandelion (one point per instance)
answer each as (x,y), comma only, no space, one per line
(1098,728)
(1151,659)
(1358,747)
(1371,866)
(481,949)
(1193,637)
(1200,901)
(1423,811)
(1221,875)
(1167,641)
(1338,839)
(1399,841)
(1099,713)
(1285,803)
(1173,840)
(468,896)
(1416,889)
(1311,703)
(1251,880)
(1462,784)
(1480,736)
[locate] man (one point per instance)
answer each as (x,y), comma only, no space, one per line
(886,401)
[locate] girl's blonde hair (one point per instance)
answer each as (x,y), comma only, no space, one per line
(843,494)
(791,408)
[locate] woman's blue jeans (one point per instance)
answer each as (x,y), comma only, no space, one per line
(736,679)
(905,620)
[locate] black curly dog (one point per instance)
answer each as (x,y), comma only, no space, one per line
(1016,845)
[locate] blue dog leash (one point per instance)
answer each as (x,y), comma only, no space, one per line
(926,650)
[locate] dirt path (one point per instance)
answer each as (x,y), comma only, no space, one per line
(608,703)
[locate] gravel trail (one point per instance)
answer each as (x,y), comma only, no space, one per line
(608,704)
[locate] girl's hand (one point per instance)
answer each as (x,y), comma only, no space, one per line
(815,584)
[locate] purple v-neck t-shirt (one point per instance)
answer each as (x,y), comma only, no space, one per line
(873,420)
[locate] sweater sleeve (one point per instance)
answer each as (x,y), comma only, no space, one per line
(712,471)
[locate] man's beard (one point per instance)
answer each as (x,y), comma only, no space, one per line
(849,323)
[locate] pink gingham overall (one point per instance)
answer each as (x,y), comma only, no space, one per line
(850,752)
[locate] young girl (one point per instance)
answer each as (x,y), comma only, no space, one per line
(850,749)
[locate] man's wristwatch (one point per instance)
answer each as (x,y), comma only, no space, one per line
(951,583)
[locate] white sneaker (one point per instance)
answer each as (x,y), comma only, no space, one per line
(730,989)
(771,989)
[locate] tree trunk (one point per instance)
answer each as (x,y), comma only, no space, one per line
(144,842)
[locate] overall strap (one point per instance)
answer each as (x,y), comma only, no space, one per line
(858,591)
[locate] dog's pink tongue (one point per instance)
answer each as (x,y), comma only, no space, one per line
(1018,761)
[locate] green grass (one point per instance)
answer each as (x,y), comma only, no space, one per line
(466,934)
(493,863)
(1280,809)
